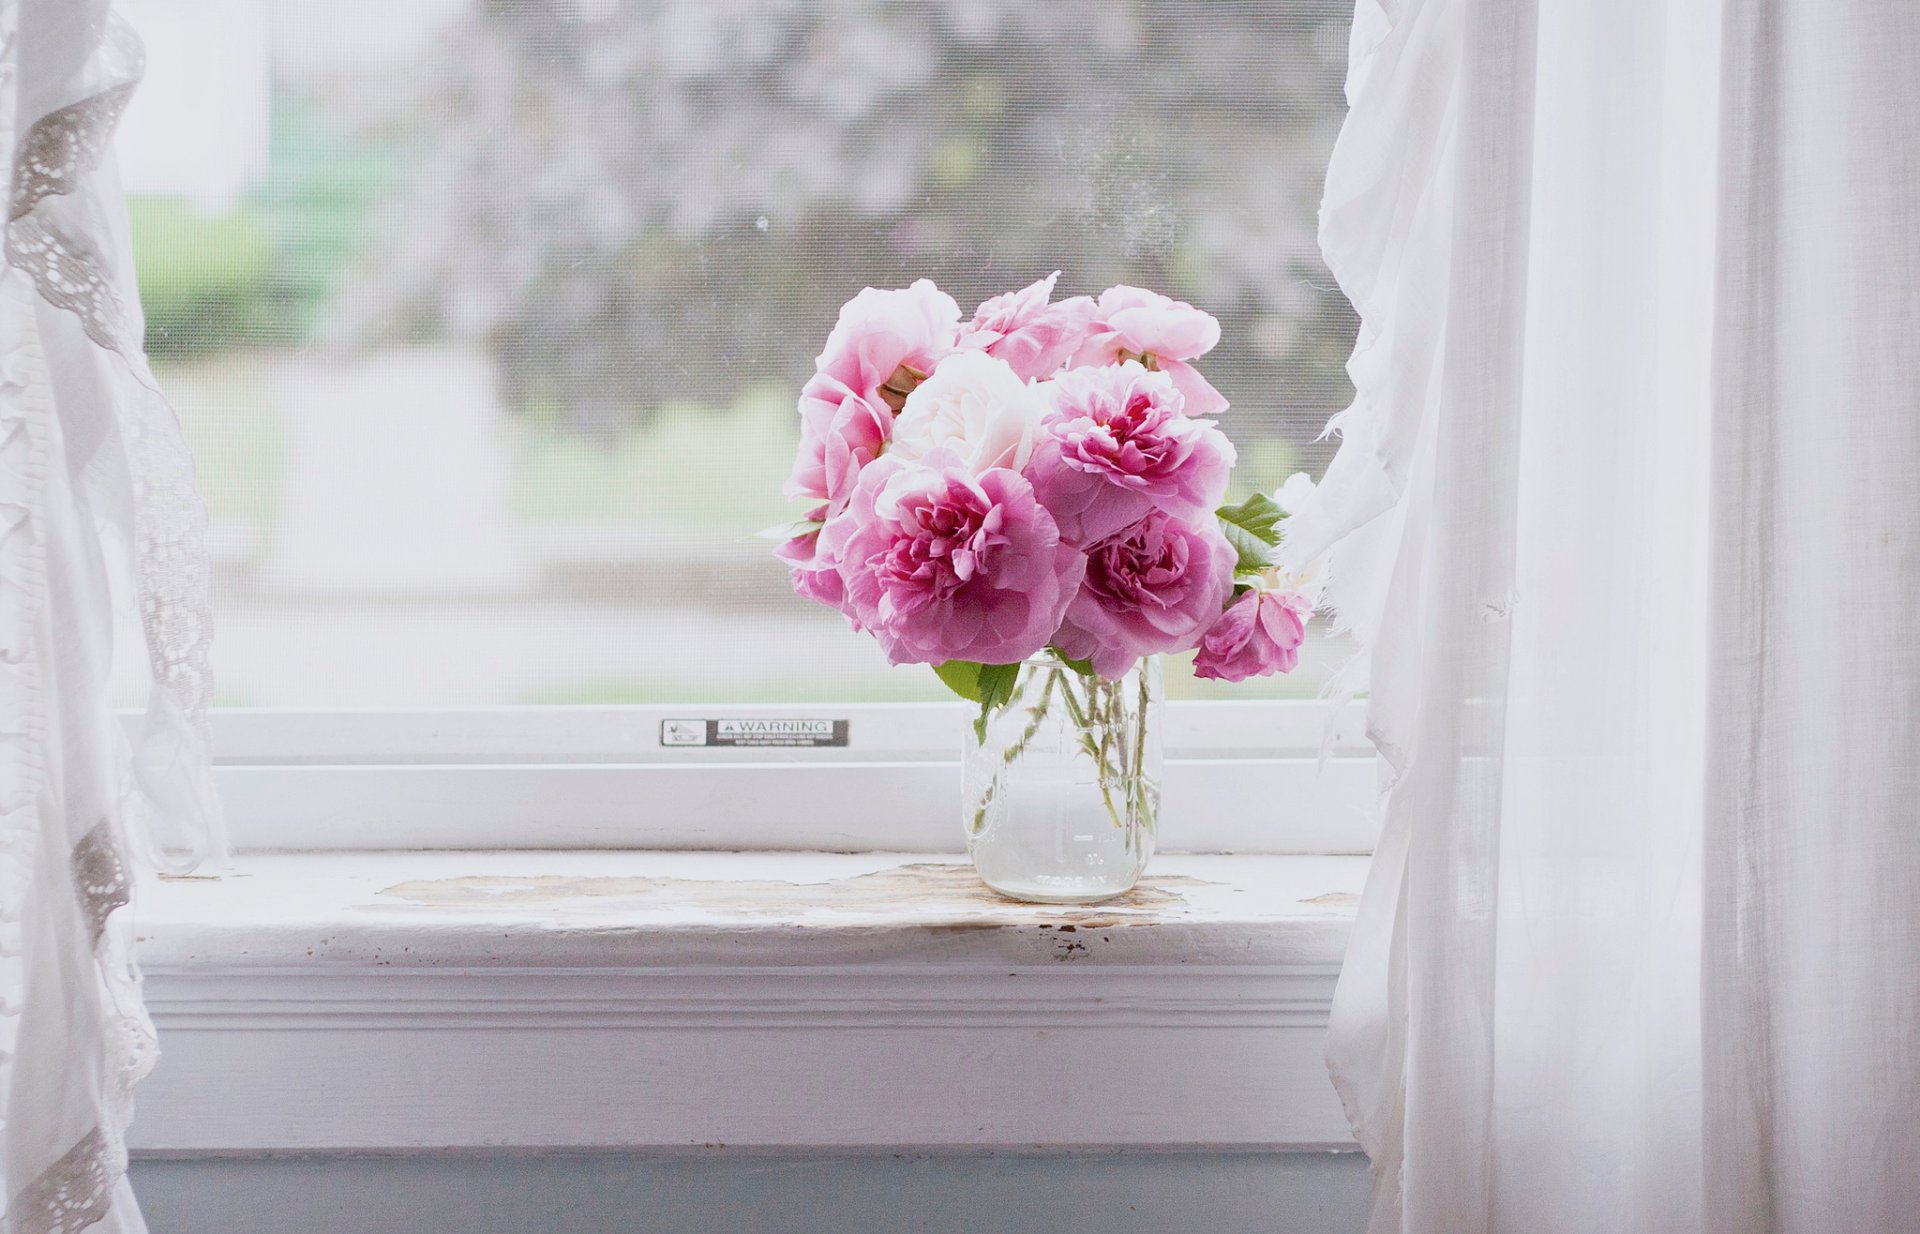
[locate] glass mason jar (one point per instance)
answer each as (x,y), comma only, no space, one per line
(1061,793)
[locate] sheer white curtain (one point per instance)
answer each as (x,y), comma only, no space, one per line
(97,509)
(1628,511)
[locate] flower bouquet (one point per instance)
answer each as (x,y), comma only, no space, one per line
(1031,502)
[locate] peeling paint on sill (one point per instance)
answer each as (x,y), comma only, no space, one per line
(930,887)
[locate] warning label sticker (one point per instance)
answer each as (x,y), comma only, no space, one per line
(737,733)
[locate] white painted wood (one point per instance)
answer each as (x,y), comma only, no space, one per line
(742,1191)
(1211,805)
(1241,777)
(630,734)
(379,1001)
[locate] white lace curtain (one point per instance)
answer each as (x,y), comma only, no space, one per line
(97,507)
(1628,510)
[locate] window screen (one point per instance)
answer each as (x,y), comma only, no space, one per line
(486,317)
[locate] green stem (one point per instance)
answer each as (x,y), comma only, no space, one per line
(1143,812)
(1087,721)
(986,803)
(1038,713)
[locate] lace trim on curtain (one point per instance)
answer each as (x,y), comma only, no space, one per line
(76,1191)
(67,275)
(60,148)
(101,878)
(170,549)
(64,145)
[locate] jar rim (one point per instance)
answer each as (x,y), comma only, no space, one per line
(1052,659)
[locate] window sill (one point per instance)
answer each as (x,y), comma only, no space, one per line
(379,1001)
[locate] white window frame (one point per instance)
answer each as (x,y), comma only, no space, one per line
(339,1018)
(1253,777)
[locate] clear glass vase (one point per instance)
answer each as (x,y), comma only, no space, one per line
(1061,793)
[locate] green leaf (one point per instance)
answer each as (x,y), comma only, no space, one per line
(989,685)
(1082,667)
(962,677)
(1257,515)
(996,684)
(791,531)
(1253,528)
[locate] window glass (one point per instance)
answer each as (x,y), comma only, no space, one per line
(486,317)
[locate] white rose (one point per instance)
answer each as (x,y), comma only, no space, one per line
(975,406)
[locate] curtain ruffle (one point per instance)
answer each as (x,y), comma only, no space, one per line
(1384,221)
(1385,230)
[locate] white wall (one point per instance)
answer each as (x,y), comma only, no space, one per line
(722,1192)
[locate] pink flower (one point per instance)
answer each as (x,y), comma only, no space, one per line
(881,332)
(841,431)
(815,577)
(941,564)
(1260,634)
(1031,335)
(1117,445)
(1149,588)
(884,344)
(975,406)
(1130,323)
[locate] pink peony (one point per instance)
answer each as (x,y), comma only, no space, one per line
(1260,634)
(940,564)
(841,432)
(1149,588)
(1031,335)
(1130,323)
(1117,445)
(884,344)
(879,333)
(975,406)
(815,577)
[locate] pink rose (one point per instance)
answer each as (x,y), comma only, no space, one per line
(941,564)
(1260,634)
(884,344)
(1130,323)
(841,431)
(1149,588)
(815,577)
(1031,335)
(879,333)
(1116,445)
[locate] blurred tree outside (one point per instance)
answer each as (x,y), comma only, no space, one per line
(264,273)
(639,205)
